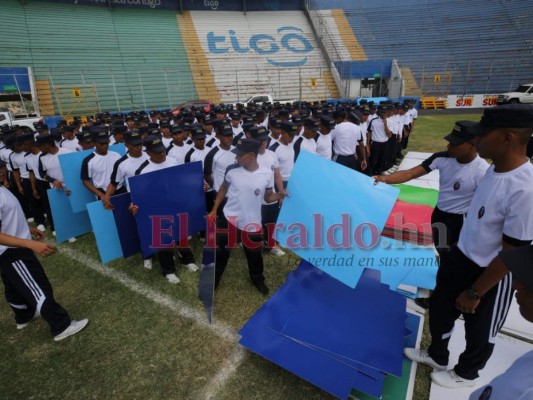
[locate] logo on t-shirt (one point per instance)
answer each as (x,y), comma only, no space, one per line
(257,191)
(481,212)
(456,186)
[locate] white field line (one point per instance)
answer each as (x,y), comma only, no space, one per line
(229,366)
(226,371)
(220,329)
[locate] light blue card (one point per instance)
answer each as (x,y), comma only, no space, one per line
(333,213)
(105,232)
(71,167)
(67,223)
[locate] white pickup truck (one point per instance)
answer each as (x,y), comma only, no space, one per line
(522,94)
(263,98)
(7,118)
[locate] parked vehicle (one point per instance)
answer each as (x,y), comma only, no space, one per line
(263,98)
(205,104)
(7,118)
(522,94)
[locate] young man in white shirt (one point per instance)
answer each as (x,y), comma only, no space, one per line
(284,150)
(245,184)
(470,282)
(324,146)
(346,137)
(157,161)
(69,139)
(460,170)
(379,135)
(178,149)
(308,140)
(27,289)
(96,168)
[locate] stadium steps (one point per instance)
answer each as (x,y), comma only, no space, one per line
(44,97)
(411,88)
(348,37)
(201,71)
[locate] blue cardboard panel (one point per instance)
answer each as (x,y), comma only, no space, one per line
(71,168)
(326,220)
(126,224)
(322,371)
(351,323)
(67,223)
(164,195)
(105,232)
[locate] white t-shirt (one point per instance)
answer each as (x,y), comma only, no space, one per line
(195,154)
(12,219)
(501,209)
(216,163)
(324,146)
(345,137)
(98,168)
(49,165)
(457,182)
(378,131)
(73,144)
(166,141)
(32,164)
(246,191)
(302,143)
(18,163)
(268,160)
(4,156)
(364,129)
(126,167)
(149,166)
(178,152)
(285,156)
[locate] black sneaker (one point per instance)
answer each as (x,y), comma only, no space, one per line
(263,289)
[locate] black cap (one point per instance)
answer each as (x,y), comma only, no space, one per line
(505,116)
(42,139)
(118,129)
(275,122)
(226,130)
(339,114)
(247,126)
(311,124)
(290,128)
(235,116)
(246,145)
(101,137)
(463,131)
(133,138)
(327,121)
(259,133)
(25,137)
(176,129)
(154,144)
(84,137)
(164,124)
(198,132)
(296,119)
(519,262)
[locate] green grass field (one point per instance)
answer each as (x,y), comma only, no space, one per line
(148,339)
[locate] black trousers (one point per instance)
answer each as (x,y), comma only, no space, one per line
(347,161)
(269,216)
(36,205)
(27,290)
(42,188)
(389,153)
(378,152)
(166,259)
(456,274)
(446,228)
(253,253)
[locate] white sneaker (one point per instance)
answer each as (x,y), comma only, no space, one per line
(25,324)
(30,220)
(449,379)
(148,263)
(41,227)
(54,233)
(72,240)
(276,251)
(422,356)
(192,267)
(74,327)
(172,278)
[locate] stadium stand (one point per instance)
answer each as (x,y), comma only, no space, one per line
(486,45)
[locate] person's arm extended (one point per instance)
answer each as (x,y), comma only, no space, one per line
(401,176)
(222,192)
(41,248)
(18,182)
(89,185)
(271,197)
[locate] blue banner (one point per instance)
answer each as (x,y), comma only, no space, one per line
(14,79)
